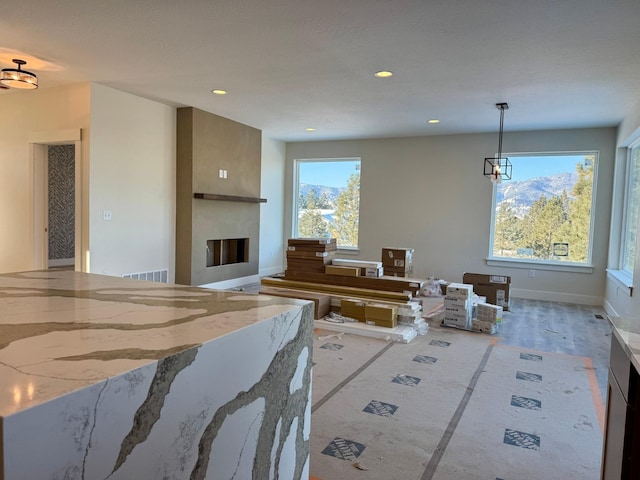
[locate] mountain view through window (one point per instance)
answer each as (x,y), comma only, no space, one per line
(328,200)
(544,213)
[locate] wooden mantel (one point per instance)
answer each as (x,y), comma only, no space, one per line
(229,198)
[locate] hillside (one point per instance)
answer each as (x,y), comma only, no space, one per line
(521,195)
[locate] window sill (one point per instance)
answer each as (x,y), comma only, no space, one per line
(348,251)
(622,279)
(557,267)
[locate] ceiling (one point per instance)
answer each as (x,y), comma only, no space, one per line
(292,64)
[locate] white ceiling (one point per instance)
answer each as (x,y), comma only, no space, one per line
(292,64)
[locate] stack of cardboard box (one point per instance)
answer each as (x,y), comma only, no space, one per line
(310,254)
(496,288)
(397,262)
(457,306)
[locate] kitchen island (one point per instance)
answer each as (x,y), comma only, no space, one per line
(621,446)
(107,378)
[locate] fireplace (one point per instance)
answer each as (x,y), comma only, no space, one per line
(227,251)
(218,200)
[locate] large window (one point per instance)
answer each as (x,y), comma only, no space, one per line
(631,209)
(327,200)
(544,213)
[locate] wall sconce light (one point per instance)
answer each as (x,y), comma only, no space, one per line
(498,168)
(18,78)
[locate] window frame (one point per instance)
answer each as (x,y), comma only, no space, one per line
(578,267)
(631,149)
(296,194)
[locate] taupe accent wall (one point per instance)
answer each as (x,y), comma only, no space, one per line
(207,143)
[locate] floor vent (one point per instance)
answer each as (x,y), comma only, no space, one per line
(598,316)
(156,276)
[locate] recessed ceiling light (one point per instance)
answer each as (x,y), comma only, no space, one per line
(433,121)
(383,74)
(310,129)
(218,91)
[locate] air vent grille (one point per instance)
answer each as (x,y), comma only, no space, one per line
(155,276)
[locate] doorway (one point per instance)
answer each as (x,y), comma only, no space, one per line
(61,206)
(57,200)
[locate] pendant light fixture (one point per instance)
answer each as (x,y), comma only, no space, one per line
(18,78)
(497,168)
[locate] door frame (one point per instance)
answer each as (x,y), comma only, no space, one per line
(38,160)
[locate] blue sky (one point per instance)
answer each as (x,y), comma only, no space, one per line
(336,174)
(525,168)
(328,174)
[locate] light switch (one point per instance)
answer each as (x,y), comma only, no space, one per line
(106,215)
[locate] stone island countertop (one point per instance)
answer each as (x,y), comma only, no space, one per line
(102,377)
(627,330)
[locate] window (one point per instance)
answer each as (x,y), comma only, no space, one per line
(327,200)
(631,208)
(544,213)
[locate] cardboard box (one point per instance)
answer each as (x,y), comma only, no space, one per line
(397,257)
(383,312)
(344,271)
(311,241)
(371,272)
(460,290)
(398,271)
(497,288)
(484,327)
(304,254)
(456,310)
(352,309)
(382,323)
(462,321)
(356,263)
(489,313)
(460,302)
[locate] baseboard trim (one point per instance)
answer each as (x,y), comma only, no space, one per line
(609,309)
(232,283)
(591,300)
(267,272)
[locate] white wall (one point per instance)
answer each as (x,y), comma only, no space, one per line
(429,193)
(132,174)
(618,300)
(22,115)
(272,188)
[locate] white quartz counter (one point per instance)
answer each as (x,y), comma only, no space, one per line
(627,330)
(102,377)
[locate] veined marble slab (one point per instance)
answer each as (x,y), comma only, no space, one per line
(106,378)
(628,332)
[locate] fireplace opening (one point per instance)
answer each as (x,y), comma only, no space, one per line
(227,251)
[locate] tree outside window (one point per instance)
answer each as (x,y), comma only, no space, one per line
(328,200)
(545,212)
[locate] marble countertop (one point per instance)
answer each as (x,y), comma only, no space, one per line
(61,331)
(627,330)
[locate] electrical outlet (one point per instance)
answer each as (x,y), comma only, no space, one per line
(532,273)
(106,215)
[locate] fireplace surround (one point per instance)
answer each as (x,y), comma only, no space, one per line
(217,216)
